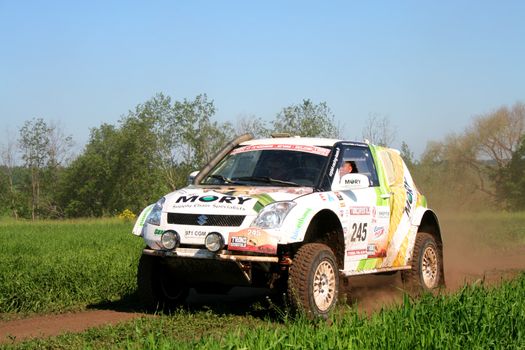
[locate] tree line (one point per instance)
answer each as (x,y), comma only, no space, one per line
(149,152)
(152,149)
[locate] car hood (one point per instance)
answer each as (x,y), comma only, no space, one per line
(228,200)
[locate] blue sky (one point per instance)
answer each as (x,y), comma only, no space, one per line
(428,66)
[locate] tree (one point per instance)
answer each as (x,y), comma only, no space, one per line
(186,136)
(468,168)
(118,170)
(407,156)
(11,194)
(378,130)
(34,143)
(252,124)
(487,146)
(151,151)
(510,180)
(307,119)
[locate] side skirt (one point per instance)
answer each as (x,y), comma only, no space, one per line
(367,272)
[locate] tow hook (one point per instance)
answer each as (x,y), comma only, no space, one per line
(285,262)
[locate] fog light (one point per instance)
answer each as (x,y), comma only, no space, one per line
(169,240)
(214,242)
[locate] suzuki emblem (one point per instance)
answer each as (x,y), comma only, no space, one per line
(201,220)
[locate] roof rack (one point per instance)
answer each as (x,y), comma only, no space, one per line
(280,134)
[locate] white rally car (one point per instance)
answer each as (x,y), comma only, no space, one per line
(292,213)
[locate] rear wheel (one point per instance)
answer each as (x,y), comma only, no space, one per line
(158,288)
(313,281)
(426,274)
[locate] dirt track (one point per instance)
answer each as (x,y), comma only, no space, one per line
(464,262)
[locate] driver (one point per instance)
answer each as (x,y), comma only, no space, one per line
(276,167)
(346,168)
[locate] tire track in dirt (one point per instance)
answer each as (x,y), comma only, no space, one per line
(53,324)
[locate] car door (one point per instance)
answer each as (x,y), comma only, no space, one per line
(365,219)
(402,201)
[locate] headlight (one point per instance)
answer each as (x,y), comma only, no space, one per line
(169,240)
(154,215)
(272,215)
(214,242)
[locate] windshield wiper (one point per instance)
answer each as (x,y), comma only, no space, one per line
(267,179)
(222,178)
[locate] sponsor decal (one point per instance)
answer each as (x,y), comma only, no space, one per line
(342,202)
(253,239)
(378,231)
(145,215)
(352,182)
(300,223)
(359,210)
(211,198)
(354,252)
(334,162)
(194,233)
(239,242)
(383,214)
(299,148)
(263,200)
(410,198)
(326,197)
(374,252)
(158,231)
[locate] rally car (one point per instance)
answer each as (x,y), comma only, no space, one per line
(290,213)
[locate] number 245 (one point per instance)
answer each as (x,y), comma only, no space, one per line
(358,231)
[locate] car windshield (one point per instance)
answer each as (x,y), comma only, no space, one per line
(270,165)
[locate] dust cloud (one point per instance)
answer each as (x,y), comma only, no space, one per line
(471,255)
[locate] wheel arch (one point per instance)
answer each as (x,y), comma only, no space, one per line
(427,221)
(325,227)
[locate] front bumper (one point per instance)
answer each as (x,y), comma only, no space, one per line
(224,255)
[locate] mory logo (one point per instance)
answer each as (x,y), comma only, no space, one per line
(211,198)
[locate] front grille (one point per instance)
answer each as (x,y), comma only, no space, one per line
(205,220)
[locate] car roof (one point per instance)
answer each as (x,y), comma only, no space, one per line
(307,141)
(303,141)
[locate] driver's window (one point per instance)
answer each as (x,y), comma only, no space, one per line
(358,160)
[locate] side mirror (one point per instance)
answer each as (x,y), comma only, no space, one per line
(192,176)
(352,182)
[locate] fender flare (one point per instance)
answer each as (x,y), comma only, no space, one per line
(299,234)
(426,218)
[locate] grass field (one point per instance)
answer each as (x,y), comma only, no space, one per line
(73,265)
(61,266)
(475,317)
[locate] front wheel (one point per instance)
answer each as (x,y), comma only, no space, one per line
(157,286)
(313,281)
(426,274)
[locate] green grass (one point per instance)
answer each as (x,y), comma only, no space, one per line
(56,266)
(474,318)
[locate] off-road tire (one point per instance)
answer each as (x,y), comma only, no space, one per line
(157,288)
(426,274)
(313,281)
